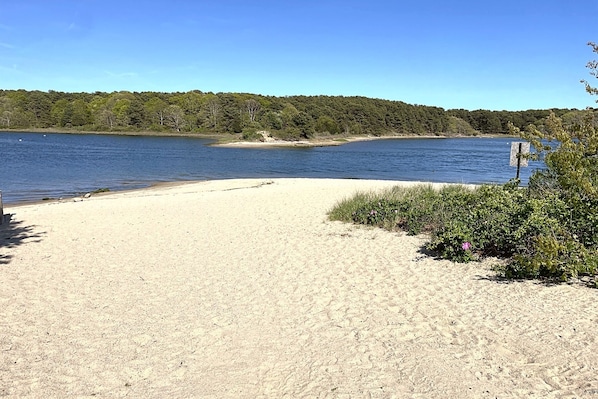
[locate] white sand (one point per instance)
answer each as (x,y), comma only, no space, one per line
(239,289)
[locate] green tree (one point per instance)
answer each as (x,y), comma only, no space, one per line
(7,111)
(120,110)
(230,111)
(136,113)
(305,124)
(58,112)
(80,115)
(459,127)
(39,106)
(101,112)
(287,114)
(570,152)
(191,103)
(326,124)
(212,111)
(175,117)
(271,120)
(155,107)
(252,107)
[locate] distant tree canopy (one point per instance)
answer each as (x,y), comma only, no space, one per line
(291,117)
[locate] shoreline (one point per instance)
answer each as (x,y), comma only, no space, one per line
(88,195)
(316,142)
(227,140)
(148,133)
(178,183)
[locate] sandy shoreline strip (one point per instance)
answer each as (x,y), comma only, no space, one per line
(270,142)
(244,289)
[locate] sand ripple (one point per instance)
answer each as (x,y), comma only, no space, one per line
(243,289)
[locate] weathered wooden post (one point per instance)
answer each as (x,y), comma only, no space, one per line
(518,150)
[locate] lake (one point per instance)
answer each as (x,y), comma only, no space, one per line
(34,166)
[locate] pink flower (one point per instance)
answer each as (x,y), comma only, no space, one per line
(466,246)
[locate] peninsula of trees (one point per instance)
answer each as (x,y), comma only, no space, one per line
(287,118)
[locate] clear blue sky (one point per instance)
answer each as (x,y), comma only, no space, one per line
(512,55)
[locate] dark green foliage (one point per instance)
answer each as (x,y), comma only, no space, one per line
(272,121)
(250,134)
(497,122)
(458,126)
(305,124)
(553,256)
(293,118)
(377,213)
(499,221)
(454,241)
(288,134)
(136,115)
(326,124)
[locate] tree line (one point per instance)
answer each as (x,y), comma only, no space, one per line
(292,117)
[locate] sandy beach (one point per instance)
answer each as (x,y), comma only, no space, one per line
(244,289)
(268,141)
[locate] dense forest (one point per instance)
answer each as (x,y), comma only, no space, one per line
(293,117)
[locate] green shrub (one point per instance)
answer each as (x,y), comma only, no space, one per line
(377,213)
(553,256)
(250,134)
(419,211)
(288,134)
(454,241)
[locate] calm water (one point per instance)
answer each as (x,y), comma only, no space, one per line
(36,166)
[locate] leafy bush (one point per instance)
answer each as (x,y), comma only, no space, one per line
(454,241)
(377,213)
(553,256)
(250,134)
(490,222)
(288,134)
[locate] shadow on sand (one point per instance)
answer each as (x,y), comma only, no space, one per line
(14,234)
(494,277)
(584,280)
